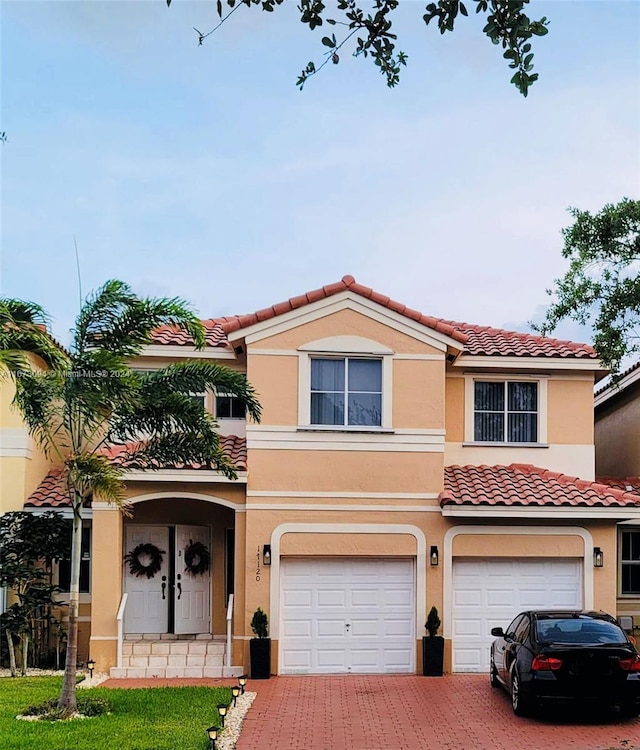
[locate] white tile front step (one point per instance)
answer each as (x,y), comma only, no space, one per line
(162,655)
(194,672)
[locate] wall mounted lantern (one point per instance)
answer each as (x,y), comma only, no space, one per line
(433,556)
(598,558)
(266,555)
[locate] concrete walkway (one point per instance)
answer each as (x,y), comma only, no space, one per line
(457,712)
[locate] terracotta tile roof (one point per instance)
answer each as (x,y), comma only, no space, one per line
(214,334)
(629,484)
(478,340)
(496,342)
(235,447)
(51,493)
(526,485)
(347,283)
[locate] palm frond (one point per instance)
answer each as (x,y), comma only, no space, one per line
(23,330)
(182,449)
(115,319)
(91,475)
(39,399)
(198,377)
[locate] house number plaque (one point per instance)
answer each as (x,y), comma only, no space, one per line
(258,564)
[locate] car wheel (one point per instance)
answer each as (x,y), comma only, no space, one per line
(630,710)
(520,703)
(493,675)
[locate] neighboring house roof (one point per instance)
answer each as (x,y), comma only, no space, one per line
(611,389)
(477,340)
(51,493)
(526,485)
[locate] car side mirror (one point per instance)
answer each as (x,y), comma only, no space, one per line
(497,632)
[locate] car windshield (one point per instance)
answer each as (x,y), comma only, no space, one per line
(578,630)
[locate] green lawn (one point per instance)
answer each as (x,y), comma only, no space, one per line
(147,719)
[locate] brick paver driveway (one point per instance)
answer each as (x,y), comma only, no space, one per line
(457,712)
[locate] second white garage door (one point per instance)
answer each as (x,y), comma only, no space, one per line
(490,593)
(352,615)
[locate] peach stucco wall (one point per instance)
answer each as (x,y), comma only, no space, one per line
(455,409)
(501,545)
(275,378)
(418,394)
(570,410)
(345,323)
(353,471)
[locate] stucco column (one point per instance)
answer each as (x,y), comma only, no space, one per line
(106,584)
(240,649)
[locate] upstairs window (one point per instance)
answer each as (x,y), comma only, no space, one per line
(505,412)
(630,562)
(346,391)
(230,407)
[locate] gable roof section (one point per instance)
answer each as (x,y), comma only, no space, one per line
(346,284)
(477,340)
(51,493)
(527,485)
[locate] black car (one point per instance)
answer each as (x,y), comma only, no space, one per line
(553,657)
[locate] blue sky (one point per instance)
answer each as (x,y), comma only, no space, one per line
(203,172)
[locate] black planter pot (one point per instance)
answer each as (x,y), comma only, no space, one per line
(433,656)
(260,653)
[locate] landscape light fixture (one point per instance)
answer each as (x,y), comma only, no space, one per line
(91,665)
(242,680)
(235,691)
(433,556)
(598,558)
(212,734)
(222,710)
(266,555)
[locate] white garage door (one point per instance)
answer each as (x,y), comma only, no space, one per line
(490,593)
(347,615)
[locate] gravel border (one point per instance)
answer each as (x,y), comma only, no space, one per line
(228,737)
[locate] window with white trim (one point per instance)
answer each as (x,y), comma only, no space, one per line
(505,411)
(346,391)
(230,407)
(630,561)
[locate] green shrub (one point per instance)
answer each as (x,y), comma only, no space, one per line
(260,624)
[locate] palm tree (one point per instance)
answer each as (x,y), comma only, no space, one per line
(90,400)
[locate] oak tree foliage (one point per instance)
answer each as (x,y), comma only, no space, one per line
(368,27)
(602,284)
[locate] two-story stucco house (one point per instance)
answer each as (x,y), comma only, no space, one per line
(402,462)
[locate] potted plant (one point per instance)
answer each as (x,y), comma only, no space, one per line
(432,647)
(260,646)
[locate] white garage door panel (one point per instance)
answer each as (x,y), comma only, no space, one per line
(490,593)
(347,615)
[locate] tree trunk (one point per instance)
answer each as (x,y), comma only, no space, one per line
(12,653)
(25,653)
(67,700)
